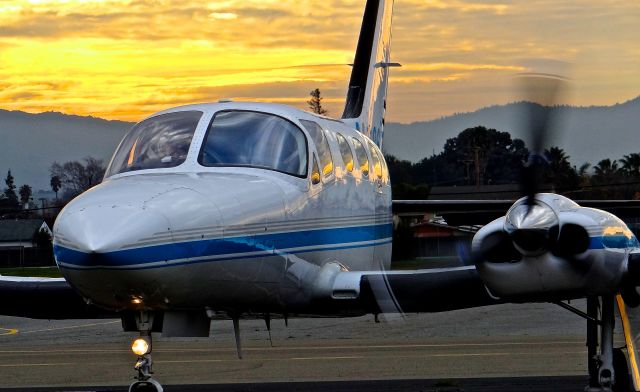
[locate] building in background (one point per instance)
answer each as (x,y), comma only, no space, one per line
(25,242)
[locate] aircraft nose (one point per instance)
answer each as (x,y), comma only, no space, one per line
(99,235)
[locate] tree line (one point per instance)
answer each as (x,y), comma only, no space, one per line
(67,180)
(480,157)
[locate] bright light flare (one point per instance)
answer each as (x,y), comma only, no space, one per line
(140,347)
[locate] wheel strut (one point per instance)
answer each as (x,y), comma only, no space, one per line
(144,364)
(602,375)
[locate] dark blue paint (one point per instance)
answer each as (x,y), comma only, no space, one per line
(224,246)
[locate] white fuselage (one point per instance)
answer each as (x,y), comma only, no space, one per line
(221,237)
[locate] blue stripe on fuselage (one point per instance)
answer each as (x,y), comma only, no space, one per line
(226,246)
(613,242)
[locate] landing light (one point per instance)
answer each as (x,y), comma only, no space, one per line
(140,347)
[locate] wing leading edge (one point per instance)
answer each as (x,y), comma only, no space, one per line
(45,298)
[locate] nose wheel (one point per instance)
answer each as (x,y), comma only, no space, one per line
(144,382)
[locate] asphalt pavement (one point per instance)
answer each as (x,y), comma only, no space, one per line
(530,347)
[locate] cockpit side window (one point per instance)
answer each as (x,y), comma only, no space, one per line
(322,146)
(361,154)
(345,152)
(158,142)
(255,139)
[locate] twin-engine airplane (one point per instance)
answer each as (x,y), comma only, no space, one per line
(235,209)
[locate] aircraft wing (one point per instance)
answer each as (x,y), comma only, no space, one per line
(45,298)
(429,290)
(344,293)
(479,212)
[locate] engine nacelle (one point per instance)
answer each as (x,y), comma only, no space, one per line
(557,250)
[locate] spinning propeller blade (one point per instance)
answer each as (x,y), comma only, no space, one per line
(541,92)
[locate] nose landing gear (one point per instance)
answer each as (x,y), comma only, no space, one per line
(608,370)
(144,364)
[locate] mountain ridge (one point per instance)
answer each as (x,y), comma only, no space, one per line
(31,142)
(35,140)
(576,129)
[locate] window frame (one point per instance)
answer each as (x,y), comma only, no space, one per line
(206,136)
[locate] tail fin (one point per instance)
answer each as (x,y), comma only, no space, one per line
(367,94)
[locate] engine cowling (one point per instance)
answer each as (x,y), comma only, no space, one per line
(553,249)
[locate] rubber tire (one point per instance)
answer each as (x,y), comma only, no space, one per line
(146,386)
(621,369)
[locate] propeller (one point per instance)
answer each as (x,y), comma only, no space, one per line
(541,92)
(533,227)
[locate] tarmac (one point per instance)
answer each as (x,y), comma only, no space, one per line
(529,347)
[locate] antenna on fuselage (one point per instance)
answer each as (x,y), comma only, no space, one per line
(236,331)
(267,321)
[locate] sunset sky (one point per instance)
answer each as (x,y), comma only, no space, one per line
(124,59)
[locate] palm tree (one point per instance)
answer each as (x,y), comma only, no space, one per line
(56,184)
(558,170)
(583,174)
(631,164)
(556,157)
(607,171)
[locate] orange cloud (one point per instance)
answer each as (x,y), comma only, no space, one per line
(124,59)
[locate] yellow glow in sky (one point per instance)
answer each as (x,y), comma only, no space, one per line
(125,59)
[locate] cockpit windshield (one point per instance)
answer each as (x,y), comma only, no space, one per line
(253,139)
(157,142)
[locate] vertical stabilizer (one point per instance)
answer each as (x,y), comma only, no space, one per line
(367,94)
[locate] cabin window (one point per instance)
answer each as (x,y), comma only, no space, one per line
(322,146)
(385,168)
(375,157)
(361,154)
(254,139)
(315,172)
(345,152)
(158,142)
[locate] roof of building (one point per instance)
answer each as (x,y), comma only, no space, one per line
(19,229)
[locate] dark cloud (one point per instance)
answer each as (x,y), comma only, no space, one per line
(22,96)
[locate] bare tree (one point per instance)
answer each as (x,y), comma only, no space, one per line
(315,103)
(76,177)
